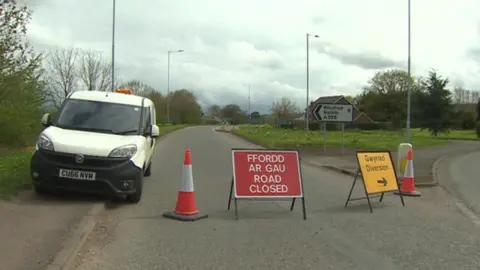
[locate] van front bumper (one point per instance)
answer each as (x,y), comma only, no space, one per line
(114,176)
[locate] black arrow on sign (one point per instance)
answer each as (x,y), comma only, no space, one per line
(317,112)
(383,181)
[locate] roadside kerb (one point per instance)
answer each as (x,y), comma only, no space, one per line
(224,128)
(68,253)
(435,170)
(442,176)
(66,257)
(352,173)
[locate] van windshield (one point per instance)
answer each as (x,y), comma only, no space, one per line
(103,117)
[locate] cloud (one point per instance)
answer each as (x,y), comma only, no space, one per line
(474,54)
(32,4)
(253,57)
(231,43)
(361,59)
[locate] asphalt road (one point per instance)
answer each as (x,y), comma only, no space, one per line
(33,229)
(429,233)
(465,176)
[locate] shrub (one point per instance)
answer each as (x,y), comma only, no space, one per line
(477,129)
(211,122)
(369,126)
(466,120)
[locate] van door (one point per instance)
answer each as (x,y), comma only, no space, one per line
(150,140)
(154,122)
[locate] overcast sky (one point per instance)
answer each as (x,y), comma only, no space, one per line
(229,43)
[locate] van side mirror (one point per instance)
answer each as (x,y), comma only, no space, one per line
(46,120)
(154,131)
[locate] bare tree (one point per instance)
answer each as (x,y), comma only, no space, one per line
(457,95)
(214,110)
(468,97)
(94,71)
(284,109)
(475,97)
(61,75)
(139,88)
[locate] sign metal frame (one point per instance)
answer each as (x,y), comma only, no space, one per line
(362,174)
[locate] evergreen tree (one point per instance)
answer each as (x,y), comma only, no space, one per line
(438,110)
(477,125)
(478,110)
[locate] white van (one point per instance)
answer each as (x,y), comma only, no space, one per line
(99,142)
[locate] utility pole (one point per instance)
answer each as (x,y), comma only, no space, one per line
(249,102)
(409,95)
(307,122)
(168,83)
(113,47)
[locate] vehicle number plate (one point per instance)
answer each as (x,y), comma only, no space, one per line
(78,175)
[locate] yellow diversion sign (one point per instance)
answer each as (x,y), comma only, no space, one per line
(378,172)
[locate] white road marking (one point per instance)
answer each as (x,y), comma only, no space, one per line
(468,213)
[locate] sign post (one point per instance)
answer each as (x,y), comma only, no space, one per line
(378,175)
(343,132)
(324,137)
(266,174)
(333,112)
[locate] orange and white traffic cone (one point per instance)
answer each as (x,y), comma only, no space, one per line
(408,184)
(186,209)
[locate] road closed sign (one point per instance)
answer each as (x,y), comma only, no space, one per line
(378,171)
(266,174)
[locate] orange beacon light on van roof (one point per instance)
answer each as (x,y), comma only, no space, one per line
(124,91)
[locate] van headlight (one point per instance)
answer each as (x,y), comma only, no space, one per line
(44,143)
(126,151)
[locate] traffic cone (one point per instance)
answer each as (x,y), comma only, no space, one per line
(185,209)
(408,184)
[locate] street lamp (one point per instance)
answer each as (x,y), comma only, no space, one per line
(409,91)
(113,47)
(168,83)
(249,112)
(307,126)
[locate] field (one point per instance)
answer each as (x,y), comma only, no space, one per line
(15,166)
(270,136)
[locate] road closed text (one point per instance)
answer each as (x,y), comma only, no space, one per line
(267,173)
(265,168)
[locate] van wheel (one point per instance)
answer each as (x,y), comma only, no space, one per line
(135,197)
(148,171)
(39,191)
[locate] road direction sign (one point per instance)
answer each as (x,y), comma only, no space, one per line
(334,112)
(378,175)
(377,171)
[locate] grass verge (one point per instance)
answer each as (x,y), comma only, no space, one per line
(14,172)
(164,129)
(15,167)
(273,137)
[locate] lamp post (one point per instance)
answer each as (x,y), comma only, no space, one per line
(168,83)
(307,124)
(409,92)
(249,102)
(113,47)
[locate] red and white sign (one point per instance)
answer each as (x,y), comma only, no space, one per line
(266,173)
